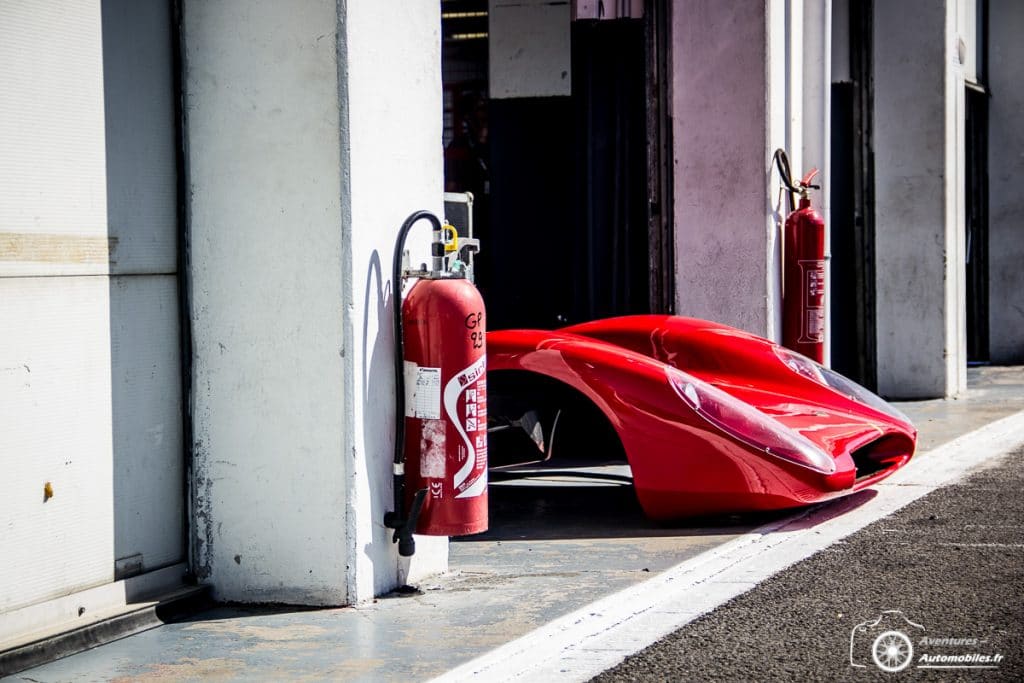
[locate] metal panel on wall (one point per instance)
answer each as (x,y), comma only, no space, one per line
(55,417)
(53,214)
(148,467)
(90,367)
(142,197)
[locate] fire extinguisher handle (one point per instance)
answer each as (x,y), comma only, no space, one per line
(806,180)
(781,160)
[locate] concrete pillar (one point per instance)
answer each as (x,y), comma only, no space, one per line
(1005,171)
(395,165)
(736,96)
(311,131)
(919,220)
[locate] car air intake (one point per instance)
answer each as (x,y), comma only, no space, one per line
(882,454)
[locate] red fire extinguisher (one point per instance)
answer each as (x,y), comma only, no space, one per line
(803,267)
(440,476)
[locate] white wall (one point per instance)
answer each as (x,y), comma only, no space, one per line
(149,461)
(89,348)
(310,136)
(142,174)
(395,165)
(145,345)
(264,182)
(55,417)
(90,395)
(1006,171)
(52,173)
(736,97)
(55,371)
(919,222)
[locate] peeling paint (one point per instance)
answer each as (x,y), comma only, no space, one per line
(202,514)
(432,460)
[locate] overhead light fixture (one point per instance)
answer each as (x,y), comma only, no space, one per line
(463,15)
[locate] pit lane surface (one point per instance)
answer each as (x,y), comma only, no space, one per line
(952,562)
(516,597)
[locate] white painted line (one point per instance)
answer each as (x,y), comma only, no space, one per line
(584,643)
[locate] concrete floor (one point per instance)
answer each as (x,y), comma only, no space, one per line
(992,393)
(551,550)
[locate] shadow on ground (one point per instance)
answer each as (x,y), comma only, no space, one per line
(544,512)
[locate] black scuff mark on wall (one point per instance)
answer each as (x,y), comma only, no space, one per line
(202,515)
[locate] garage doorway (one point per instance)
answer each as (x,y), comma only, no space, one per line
(557,123)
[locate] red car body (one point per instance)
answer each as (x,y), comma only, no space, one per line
(713,419)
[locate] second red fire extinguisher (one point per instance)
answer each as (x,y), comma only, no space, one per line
(803,267)
(440,475)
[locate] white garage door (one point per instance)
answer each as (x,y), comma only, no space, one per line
(91,454)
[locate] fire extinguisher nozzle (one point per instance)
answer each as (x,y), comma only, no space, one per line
(404,529)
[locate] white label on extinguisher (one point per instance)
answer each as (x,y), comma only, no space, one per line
(815,326)
(470,480)
(422,392)
(432,452)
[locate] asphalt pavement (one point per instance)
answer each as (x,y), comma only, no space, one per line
(946,572)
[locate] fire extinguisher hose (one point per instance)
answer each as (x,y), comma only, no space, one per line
(781,160)
(403,524)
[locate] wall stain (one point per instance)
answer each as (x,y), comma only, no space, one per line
(234,627)
(191,668)
(203,530)
(56,247)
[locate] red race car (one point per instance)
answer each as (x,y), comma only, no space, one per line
(710,419)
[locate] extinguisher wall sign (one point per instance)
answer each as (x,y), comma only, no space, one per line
(803,301)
